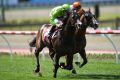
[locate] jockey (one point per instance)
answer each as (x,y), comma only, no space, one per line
(57,15)
(76,6)
(60,12)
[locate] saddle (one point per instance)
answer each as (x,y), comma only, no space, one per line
(45,36)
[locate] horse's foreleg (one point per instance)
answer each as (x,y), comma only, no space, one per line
(56,65)
(83,55)
(74,71)
(78,60)
(68,65)
(69,61)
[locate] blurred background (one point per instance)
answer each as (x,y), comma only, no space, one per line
(103,50)
(36,12)
(31,14)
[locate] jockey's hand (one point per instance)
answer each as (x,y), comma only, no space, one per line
(58,22)
(59,25)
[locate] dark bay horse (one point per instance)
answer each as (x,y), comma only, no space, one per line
(61,46)
(88,20)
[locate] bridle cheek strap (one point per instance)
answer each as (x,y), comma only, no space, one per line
(82,18)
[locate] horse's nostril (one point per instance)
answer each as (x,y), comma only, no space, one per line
(97,23)
(96,26)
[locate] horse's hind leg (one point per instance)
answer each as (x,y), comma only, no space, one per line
(37,58)
(83,55)
(56,64)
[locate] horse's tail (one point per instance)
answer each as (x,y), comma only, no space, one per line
(39,37)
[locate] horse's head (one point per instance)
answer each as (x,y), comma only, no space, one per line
(90,20)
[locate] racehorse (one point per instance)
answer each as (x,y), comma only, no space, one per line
(61,46)
(88,20)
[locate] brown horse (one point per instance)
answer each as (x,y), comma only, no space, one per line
(88,20)
(61,46)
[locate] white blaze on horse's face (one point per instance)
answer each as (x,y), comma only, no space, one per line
(79,23)
(95,21)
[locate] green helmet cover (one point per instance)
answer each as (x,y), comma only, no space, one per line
(65,6)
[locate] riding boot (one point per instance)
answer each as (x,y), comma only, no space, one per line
(32,43)
(50,35)
(51,31)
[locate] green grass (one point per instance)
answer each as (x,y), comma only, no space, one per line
(21,68)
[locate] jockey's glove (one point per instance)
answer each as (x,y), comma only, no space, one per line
(58,22)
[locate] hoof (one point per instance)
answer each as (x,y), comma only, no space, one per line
(40,74)
(74,72)
(78,64)
(62,65)
(73,75)
(69,67)
(54,76)
(36,71)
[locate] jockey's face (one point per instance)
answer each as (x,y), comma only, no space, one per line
(77,8)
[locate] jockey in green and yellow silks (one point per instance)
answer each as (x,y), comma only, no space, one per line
(60,12)
(56,15)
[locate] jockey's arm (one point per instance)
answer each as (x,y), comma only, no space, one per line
(56,22)
(52,22)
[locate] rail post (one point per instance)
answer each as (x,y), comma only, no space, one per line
(10,48)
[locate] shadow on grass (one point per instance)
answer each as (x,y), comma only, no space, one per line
(92,76)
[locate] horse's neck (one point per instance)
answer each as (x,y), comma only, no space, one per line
(69,27)
(70,30)
(80,32)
